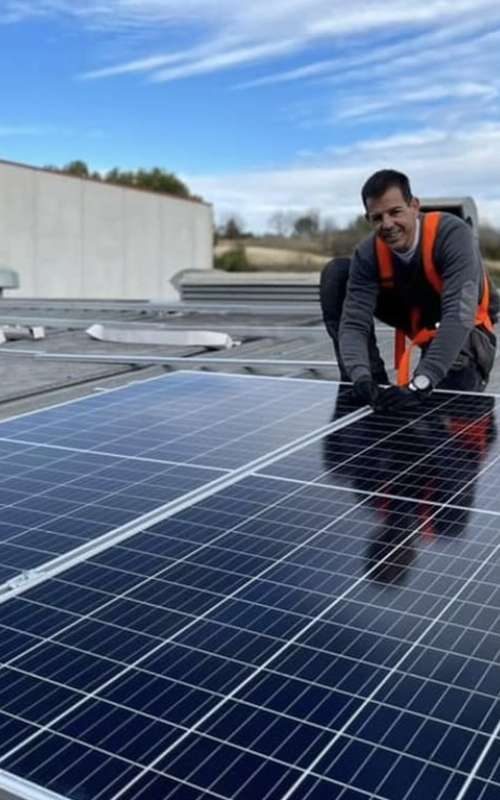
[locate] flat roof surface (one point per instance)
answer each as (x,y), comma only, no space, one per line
(284,341)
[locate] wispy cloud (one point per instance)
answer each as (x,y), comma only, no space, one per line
(455,43)
(266,31)
(241,33)
(49,132)
(360,106)
(243,55)
(105,13)
(137,65)
(445,71)
(438,163)
(199,61)
(393,84)
(32,130)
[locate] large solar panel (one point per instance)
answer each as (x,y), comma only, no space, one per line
(198,419)
(72,473)
(323,624)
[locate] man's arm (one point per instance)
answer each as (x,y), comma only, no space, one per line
(357,317)
(458,262)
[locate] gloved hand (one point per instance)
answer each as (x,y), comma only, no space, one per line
(365,391)
(397,398)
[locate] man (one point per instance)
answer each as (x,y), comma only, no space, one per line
(421,274)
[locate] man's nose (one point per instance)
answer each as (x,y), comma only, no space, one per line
(387,221)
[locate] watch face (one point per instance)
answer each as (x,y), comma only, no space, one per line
(422,383)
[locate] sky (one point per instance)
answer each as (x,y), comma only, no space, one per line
(265,106)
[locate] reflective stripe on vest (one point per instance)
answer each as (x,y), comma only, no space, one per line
(421,336)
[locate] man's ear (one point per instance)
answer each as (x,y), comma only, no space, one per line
(415,204)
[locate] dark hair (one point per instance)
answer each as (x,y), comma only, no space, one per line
(379,183)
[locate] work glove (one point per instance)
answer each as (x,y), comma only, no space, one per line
(397,398)
(365,391)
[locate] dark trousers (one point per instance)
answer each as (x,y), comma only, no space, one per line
(465,376)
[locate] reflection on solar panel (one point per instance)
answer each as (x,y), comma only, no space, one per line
(322,622)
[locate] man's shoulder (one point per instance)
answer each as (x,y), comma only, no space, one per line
(456,245)
(449,222)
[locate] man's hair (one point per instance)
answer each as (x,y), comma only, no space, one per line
(383,180)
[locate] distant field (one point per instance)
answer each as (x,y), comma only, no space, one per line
(274,258)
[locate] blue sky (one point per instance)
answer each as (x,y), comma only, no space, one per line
(262,106)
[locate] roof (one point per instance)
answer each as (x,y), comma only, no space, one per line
(278,338)
(268,471)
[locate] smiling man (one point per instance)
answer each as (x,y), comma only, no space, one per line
(421,274)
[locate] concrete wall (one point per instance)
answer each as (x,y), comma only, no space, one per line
(68,237)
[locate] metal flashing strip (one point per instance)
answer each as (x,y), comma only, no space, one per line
(237,330)
(132,358)
(21,788)
(184,337)
(32,577)
(136,306)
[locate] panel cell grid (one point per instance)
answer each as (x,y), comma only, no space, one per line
(290,636)
(72,473)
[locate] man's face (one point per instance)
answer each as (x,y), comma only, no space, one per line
(393,218)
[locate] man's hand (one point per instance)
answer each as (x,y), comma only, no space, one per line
(396,398)
(365,391)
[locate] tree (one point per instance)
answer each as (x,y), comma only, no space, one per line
(360,226)
(155,179)
(282,222)
(489,242)
(307,224)
(78,168)
(328,233)
(232,227)
(121,177)
(233,260)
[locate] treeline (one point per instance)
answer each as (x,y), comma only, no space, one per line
(154,180)
(321,235)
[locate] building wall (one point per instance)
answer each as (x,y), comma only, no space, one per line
(69,237)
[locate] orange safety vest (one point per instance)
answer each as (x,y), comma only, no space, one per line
(421,336)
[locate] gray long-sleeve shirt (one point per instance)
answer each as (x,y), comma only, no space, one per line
(458,262)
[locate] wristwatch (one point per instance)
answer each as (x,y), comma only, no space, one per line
(420,383)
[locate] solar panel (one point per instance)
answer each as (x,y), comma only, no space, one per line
(215,420)
(323,624)
(72,473)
